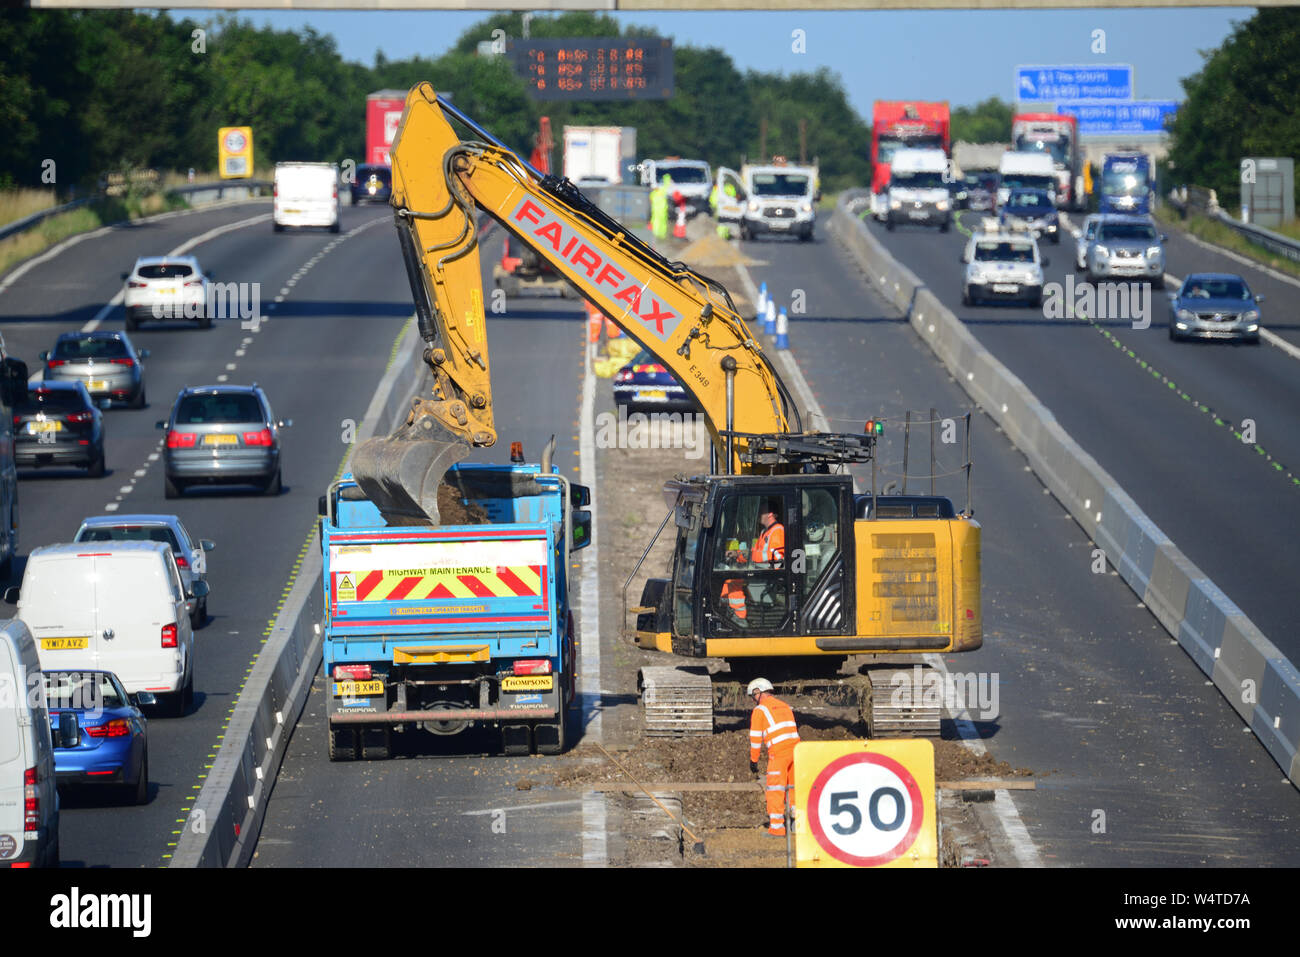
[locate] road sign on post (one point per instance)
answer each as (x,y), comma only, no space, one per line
(1137,117)
(235,152)
(865,804)
(1045,84)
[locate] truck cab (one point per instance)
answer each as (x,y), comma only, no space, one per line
(1125,184)
(918,189)
(1028,171)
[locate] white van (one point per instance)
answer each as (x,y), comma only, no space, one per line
(29,802)
(918,189)
(1026,171)
(113,606)
(306,194)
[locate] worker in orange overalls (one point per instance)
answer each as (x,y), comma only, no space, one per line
(769,547)
(773,724)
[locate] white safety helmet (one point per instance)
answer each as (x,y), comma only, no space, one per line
(758,684)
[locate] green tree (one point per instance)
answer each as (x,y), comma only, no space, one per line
(1241,103)
(985,122)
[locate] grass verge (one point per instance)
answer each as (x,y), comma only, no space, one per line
(102,212)
(1214,232)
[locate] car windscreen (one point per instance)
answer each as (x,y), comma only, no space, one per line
(50,401)
(78,690)
(1028,202)
(1215,289)
(920,179)
(683,174)
(378,174)
(164,271)
(130,533)
(89,348)
(201,409)
(779,184)
(1003,252)
(1140,232)
(1029,180)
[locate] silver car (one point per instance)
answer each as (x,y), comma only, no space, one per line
(222,435)
(1087,233)
(1127,247)
(191,558)
(106,363)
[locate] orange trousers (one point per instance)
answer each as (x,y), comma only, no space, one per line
(780,775)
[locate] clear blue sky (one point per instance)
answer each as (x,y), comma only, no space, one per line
(962,56)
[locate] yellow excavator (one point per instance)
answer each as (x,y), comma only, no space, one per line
(859,575)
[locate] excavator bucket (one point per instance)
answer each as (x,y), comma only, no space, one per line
(400,474)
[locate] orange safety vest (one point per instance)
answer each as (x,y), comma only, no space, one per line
(770,544)
(772,723)
(733,590)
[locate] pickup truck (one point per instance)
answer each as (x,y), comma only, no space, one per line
(441,627)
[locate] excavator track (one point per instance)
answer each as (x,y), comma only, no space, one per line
(894,705)
(676,702)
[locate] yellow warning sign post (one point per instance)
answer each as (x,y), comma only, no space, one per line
(865,804)
(235,152)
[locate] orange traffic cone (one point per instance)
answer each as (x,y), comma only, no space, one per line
(679,230)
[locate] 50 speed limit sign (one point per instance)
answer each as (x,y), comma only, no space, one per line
(865,804)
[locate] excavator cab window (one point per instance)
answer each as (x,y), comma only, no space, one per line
(684,566)
(749,579)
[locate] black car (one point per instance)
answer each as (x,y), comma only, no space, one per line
(57,423)
(1034,210)
(646,382)
(373,184)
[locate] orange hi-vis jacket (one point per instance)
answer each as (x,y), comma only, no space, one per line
(772,724)
(770,544)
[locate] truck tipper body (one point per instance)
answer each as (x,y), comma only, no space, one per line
(903,124)
(600,153)
(440,627)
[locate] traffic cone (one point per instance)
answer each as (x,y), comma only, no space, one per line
(679,230)
(762,301)
(782,330)
(769,321)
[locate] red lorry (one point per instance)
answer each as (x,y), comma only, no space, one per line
(903,124)
(383,114)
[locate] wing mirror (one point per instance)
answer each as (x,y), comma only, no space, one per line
(69,732)
(145,698)
(11,595)
(1046,262)
(579,496)
(284,423)
(581,529)
(207,544)
(1259,299)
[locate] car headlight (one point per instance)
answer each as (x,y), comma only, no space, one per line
(753,206)
(1252,316)
(942,205)
(1154,252)
(1101,251)
(1186,315)
(805,208)
(895,204)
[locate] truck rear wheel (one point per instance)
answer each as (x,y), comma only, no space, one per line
(549,737)
(342,742)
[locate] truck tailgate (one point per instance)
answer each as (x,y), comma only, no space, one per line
(431,583)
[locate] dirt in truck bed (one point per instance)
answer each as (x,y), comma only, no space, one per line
(453,511)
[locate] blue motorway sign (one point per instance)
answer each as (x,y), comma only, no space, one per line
(1104,119)
(1053,83)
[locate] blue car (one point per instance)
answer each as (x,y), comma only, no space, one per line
(1212,305)
(645,382)
(112,746)
(1033,210)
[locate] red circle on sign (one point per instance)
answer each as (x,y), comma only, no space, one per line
(913,793)
(235,142)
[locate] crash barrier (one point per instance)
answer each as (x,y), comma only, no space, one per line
(1257,679)
(1204,201)
(222,827)
(198,195)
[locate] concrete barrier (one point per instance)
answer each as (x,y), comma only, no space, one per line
(1260,683)
(222,827)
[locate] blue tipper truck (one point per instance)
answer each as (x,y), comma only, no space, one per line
(439,627)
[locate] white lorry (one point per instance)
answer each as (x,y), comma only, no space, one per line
(306,194)
(781,199)
(918,189)
(600,155)
(692,178)
(1026,171)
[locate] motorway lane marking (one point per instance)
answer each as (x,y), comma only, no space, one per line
(594,842)
(1004,807)
(180,250)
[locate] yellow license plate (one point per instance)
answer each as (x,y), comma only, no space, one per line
(357,689)
(221,439)
(169,291)
(97,385)
(34,427)
(64,644)
(527,683)
(653,394)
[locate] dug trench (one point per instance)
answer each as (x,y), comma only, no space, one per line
(718,800)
